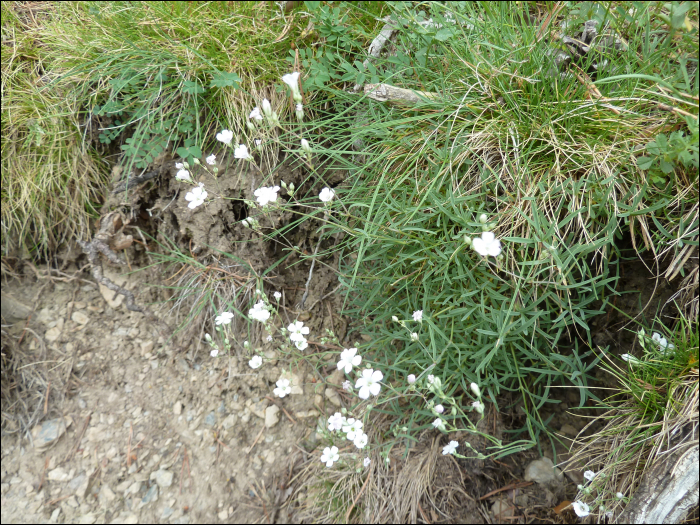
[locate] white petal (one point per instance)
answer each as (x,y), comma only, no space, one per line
(488,237)
(480,246)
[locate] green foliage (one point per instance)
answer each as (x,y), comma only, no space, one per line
(666,153)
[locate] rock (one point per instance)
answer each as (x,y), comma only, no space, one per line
(271,416)
(80,318)
(569,430)
(333,397)
(167,512)
(177,408)
(54,515)
(229,421)
(76,482)
(12,310)
(46,434)
(87,519)
(127,518)
(163,478)
(543,472)
(337,378)
(52,334)
(210,419)
(106,495)
(150,496)
(500,509)
(223,515)
(307,413)
(259,408)
(146,347)
(57,474)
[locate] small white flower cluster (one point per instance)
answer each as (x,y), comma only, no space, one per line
(487,244)
(260,312)
(351,427)
(297,331)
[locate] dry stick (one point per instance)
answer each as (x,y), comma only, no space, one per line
(46,398)
(518,485)
(311,271)
(256,439)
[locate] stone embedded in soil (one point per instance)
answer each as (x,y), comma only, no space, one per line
(210,419)
(333,397)
(48,433)
(57,474)
(229,421)
(151,495)
(259,408)
(80,318)
(271,416)
(542,471)
(163,478)
(146,347)
(106,495)
(177,408)
(52,334)
(569,430)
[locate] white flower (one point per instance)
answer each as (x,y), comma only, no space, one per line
(619,495)
(292,80)
(661,341)
(418,316)
(336,422)
(478,406)
(259,312)
(297,331)
(438,423)
(266,195)
(183,175)
(475,389)
(211,160)
(487,245)
(352,427)
(630,359)
(269,338)
(302,344)
(414,336)
(224,318)
(214,352)
(277,296)
(366,462)
(581,509)
(179,165)
(305,146)
(369,383)
(255,114)
(330,456)
(431,379)
(411,379)
(266,108)
(450,448)
(241,152)
(196,196)
(255,362)
(326,195)
(283,388)
(225,136)
(360,440)
(258,143)
(609,515)
(348,359)
(347,386)
(439,409)
(589,475)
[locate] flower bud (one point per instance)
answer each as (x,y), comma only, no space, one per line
(475,388)
(483,218)
(439,409)
(467,240)
(266,108)
(283,184)
(394,318)
(305,146)
(250,125)
(196,161)
(414,336)
(246,344)
(207,337)
(411,378)
(186,165)
(300,112)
